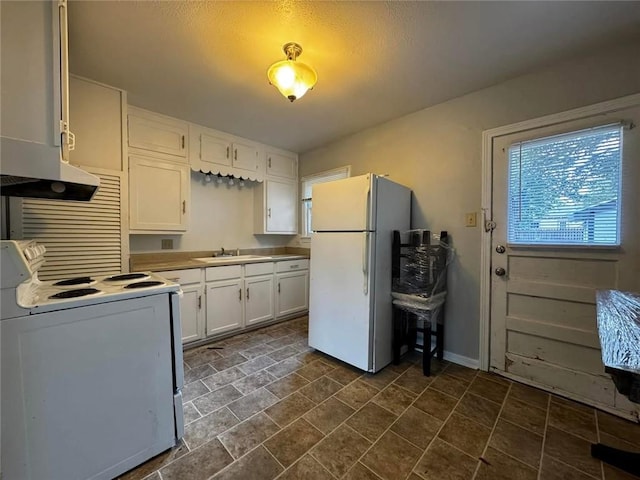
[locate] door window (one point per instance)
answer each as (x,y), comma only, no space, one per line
(565,189)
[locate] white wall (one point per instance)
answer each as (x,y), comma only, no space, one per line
(437,153)
(221,216)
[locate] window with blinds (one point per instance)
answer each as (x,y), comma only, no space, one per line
(308,183)
(82,238)
(565,189)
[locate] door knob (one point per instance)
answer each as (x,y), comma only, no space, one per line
(500,271)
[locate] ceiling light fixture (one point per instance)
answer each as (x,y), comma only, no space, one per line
(291,77)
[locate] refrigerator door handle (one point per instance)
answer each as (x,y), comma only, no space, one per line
(367,209)
(365,263)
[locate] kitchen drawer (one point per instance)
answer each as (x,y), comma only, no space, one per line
(292,265)
(183,277)
(252,269)
(223,273)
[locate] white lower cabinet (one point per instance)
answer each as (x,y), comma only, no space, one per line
(192,303)
(224,306)
(292,287)
(259,301)
(191,313)
(225,299)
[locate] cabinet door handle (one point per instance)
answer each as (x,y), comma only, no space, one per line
(184,206)
(278,287)
(240,294)
(182,142)
(235,154)
(269,162)
(199,302)
(227,151)
(247,293)
(294,266)
(269,212)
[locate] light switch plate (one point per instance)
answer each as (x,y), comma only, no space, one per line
(470,219)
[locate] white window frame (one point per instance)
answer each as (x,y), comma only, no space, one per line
(305,201)
(563,242)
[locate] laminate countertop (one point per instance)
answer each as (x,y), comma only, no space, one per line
(180,264)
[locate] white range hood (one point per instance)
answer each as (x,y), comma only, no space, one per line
(30,169)
(35,138)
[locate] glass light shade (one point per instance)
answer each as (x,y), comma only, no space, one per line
(292,78)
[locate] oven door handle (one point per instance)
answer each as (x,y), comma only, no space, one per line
(176,340)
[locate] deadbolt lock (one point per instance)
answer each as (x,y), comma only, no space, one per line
(500,249)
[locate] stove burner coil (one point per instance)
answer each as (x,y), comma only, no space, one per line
(79,292)
(152,283)
(74,281)
(126,276)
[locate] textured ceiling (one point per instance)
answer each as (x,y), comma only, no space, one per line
(206,62)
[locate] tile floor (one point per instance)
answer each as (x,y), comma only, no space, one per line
(267,406)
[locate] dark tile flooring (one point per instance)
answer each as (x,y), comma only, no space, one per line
(267,406)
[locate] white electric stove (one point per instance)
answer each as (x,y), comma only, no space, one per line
(91,370)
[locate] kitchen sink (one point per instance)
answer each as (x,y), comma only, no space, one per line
(230,259)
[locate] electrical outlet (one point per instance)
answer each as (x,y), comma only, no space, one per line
(167,244)
(470,219)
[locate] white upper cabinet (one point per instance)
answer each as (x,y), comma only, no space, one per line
(159,195)
(275,207)
(99,118)
(157,133)
(159,177)
(281,165)
(211,151)
(245,157)
(35,80)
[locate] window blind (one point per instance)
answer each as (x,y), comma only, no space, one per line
(565,189)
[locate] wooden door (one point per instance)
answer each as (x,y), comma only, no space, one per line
(543,315)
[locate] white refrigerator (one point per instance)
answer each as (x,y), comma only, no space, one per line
(350,284)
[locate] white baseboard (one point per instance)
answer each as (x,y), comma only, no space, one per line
(460,360)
